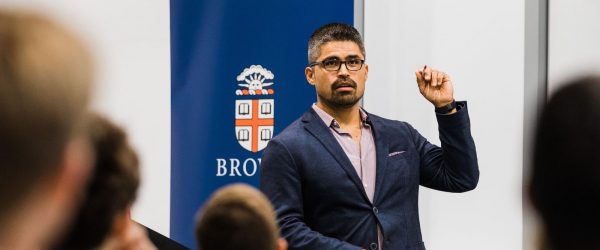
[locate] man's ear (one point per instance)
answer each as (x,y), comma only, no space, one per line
(366,71)
(310,75)
(67,187)
(282,244)
(75,169)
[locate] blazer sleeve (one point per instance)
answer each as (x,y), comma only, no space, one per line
(282,184)
(453,166)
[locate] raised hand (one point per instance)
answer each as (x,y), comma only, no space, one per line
(435,86)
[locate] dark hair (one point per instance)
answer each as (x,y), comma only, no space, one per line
(46,77)
(332,32)
(112,187)
(237,217)
(565,179)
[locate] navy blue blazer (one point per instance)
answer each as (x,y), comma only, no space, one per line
(320,200)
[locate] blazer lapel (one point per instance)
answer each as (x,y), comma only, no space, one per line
(381,148)
(321,132)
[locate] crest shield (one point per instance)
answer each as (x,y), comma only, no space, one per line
(254,109)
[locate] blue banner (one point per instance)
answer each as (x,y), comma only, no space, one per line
(237,78)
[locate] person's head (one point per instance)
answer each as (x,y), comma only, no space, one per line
(338,85)
(565,178)
(238,216)
(111,190)
(45,84)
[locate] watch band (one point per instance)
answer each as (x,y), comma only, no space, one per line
(446,108)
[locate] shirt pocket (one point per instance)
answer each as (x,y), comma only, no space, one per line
(398,168)
(403,167)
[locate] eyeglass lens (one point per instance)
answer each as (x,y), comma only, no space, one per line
(335,64)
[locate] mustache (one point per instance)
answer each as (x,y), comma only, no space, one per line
(343,82)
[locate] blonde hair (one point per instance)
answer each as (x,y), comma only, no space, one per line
(45,82)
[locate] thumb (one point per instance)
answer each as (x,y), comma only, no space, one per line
(420,80)
(426,73)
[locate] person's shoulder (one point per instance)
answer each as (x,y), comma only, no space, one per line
(386,123)
(291,131)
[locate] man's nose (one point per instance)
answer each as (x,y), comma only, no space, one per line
(343,70)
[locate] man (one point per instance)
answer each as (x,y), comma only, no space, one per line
(565,178)
(45,82)
(341,178)
(103,220)
(238,217)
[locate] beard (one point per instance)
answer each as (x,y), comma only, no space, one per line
(341,99)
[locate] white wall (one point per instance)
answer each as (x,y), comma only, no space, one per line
(573,40)
(481,45)
(131,43)
(572,52)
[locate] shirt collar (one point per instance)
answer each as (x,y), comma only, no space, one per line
(331,122)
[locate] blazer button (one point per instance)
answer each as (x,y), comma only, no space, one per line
(375,210)
(373,246)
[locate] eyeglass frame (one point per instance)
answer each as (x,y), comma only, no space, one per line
(362,63)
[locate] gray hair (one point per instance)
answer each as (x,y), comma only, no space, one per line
(332,32)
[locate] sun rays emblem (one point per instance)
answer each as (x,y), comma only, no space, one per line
(254,78)
(254,116)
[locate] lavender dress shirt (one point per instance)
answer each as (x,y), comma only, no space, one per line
(361,155)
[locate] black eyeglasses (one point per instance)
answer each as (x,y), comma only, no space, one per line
(335,64)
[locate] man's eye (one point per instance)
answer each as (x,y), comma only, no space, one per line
(353,62)
(330,63)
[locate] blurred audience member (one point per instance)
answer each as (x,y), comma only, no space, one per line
(238,217)
(565,180)
(103,220)
(45,82)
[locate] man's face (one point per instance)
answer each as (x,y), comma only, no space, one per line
(341,88)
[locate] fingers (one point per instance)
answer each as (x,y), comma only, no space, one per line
(426,73)
(431,77)
(419,76)
(434,78)
(446,78)
(420,80)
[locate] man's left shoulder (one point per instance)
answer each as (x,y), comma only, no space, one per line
(381,121)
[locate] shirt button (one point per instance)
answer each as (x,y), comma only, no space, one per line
(375,210)
(373,246)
